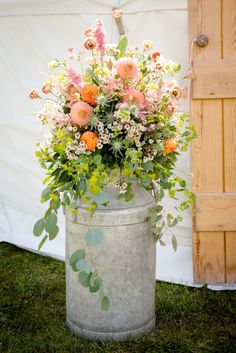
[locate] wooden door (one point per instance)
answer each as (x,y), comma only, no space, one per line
(213,111)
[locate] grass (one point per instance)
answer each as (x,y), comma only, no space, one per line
(32,313)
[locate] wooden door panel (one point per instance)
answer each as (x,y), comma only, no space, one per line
(213,111)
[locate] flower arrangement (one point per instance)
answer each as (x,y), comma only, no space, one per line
(114,122)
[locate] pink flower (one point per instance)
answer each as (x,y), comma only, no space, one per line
(46,88)
(127,68)
(134,96)
(99,35)
(88,32)
(74,77)
(34,93)
(81,113)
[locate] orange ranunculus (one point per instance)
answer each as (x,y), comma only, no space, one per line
(170,146)
(90,139)
(89,93)
(155,56)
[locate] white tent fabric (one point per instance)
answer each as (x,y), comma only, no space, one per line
(32,33)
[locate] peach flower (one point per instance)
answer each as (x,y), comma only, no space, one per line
(46,88)
(34,93)
(170,108)
(89,93)
(81,113)
(127,68)
(134,96)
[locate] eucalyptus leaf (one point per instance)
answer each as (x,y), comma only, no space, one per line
(42,242)
(74,268)
(148,166)
(84,278)
(155,218)
(97,159)
(82,187)
(50,223)
(83,265)
(96,285)
(46,193)
(94,236)
(39,227)
(169,218)
(53,233)
(175,221)
(101,198)
(174,242)
(105,303)
(77,255)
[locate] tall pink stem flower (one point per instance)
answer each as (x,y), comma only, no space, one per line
(99,35)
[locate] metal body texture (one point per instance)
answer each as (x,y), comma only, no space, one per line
(125,261)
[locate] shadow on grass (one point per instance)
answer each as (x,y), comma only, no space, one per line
(32,313)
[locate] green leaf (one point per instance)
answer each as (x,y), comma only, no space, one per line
(95,286)
(42,242)
(105,303)
(84,278)
(51,222)
(175,221)
(101,198)
(45,196)
(39,227)
(81,188)
(53,233)
(122,46)
(97,159)
(74,268)
(92,278)
(76,256)
(148,166)
(93,76)
(174,242)
(94,236)
(155,218)
(66,199)
(182,183)
(169,218)
(47,179)
(83,265)
(162,242)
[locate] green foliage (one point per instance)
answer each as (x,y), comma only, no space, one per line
(42,242)
(83,265)
(105,303)
(77,255)
(94,236)
(122,46)
(84,278)
(39,227)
